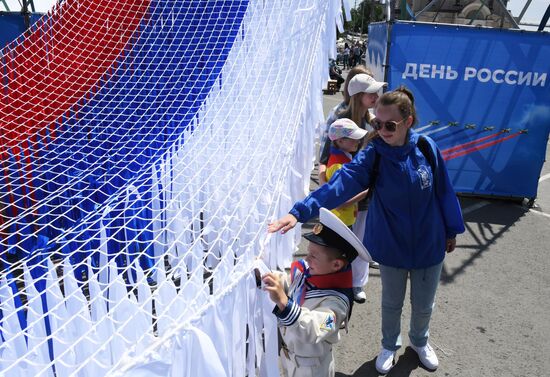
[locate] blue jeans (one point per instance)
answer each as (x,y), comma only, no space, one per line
(424,284)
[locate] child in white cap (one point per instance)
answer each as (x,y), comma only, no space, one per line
(346,138)
(319,298)
(362,90)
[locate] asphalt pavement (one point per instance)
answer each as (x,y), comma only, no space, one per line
(492,313)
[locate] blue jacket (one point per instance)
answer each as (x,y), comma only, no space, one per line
(408,221)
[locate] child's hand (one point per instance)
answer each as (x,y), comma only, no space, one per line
(275,288)
(285,223)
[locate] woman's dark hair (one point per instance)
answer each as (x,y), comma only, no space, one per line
(403,98)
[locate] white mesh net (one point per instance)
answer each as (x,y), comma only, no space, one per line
(145,146)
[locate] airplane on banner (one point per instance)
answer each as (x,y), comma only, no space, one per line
(481,87)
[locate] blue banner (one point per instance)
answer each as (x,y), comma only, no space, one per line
(484,96)
(377,47)
(12,25)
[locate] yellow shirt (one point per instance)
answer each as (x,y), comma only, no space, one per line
(347,214)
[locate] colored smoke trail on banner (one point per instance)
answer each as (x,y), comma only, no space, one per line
(487,112)
(476,145)
(144,147)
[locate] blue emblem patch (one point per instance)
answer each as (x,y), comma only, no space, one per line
(328,323)
(425,177)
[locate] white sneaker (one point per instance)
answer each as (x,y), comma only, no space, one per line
(374,264)
(359,295)
(427,356)
(384,361)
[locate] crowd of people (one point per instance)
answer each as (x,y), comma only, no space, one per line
(347,57)
(350,56)
(392,206)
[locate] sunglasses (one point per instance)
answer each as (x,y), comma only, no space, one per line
(390,125)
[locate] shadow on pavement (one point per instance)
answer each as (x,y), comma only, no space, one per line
(485,226)
(404,366)
(366,370)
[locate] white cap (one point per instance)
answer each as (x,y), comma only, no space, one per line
(345,127)
(363,83)
(332,232)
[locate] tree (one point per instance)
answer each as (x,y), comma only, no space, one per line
(367,11)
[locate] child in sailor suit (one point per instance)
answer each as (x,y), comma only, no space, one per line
(319,298)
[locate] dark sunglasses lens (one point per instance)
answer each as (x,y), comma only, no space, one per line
(376,125)
(391,126)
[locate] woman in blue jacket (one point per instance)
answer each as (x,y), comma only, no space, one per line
(413,218)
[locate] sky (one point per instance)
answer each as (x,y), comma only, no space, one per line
(533,15)
(534,12)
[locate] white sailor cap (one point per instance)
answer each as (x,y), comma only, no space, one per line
(332,232)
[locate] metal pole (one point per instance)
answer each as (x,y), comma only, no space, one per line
(363,3)
(6,5)
(508,15)
(403,10)
(427,7)
(388,45)
(356,12)
(390,10)
(544,20)
(25,13)
(523,11)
